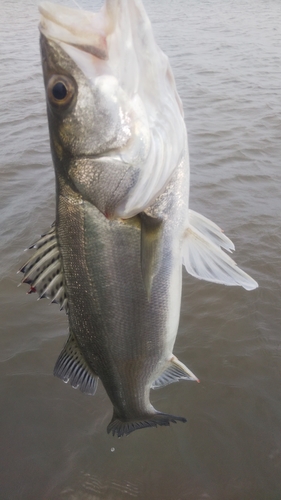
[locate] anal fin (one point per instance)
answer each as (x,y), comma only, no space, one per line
(72,367)
(173,373)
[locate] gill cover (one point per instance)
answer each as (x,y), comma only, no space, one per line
(134,89)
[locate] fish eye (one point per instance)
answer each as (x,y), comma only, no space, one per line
(60,90)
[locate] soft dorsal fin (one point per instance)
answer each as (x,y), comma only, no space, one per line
(71,367)
(44,272)
(175,371)
(151,248)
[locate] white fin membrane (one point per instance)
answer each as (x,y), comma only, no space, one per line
(210,230)
(204,259)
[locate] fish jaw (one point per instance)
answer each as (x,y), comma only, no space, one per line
(133,111)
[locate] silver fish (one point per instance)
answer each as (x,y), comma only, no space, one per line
(113,259)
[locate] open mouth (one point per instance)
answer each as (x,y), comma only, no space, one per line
(83,30)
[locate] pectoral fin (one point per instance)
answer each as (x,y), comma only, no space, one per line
(151,249)
(204,259)
(72,367)
(173,373)
(209,229)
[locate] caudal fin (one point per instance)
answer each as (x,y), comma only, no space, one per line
(124,427)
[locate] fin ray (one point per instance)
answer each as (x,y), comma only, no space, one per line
(45,238)
(173,373)
(122,427)
(204,259)
(209,229)
(72,367)
(44,272)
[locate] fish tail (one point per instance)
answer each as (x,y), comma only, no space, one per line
(123,427)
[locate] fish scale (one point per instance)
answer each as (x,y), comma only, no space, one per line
(123,225)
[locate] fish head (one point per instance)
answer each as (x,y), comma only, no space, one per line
(87,108)
(115,118)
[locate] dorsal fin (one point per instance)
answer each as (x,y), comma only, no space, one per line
(72,367)
(44,272)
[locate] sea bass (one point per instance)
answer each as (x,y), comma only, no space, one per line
(113,258)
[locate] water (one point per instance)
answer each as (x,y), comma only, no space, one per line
(226,58)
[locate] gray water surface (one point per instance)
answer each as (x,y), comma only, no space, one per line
(226,58)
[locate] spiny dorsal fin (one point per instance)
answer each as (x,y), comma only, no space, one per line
(173,373)
(71,367)
(43,271)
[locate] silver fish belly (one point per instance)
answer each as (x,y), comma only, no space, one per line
(113,259)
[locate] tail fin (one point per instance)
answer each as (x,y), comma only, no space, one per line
(122,427)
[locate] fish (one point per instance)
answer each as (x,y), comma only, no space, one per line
(123,227)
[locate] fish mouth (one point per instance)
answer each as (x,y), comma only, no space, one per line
(84,30)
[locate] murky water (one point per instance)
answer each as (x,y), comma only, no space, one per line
(227,61)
